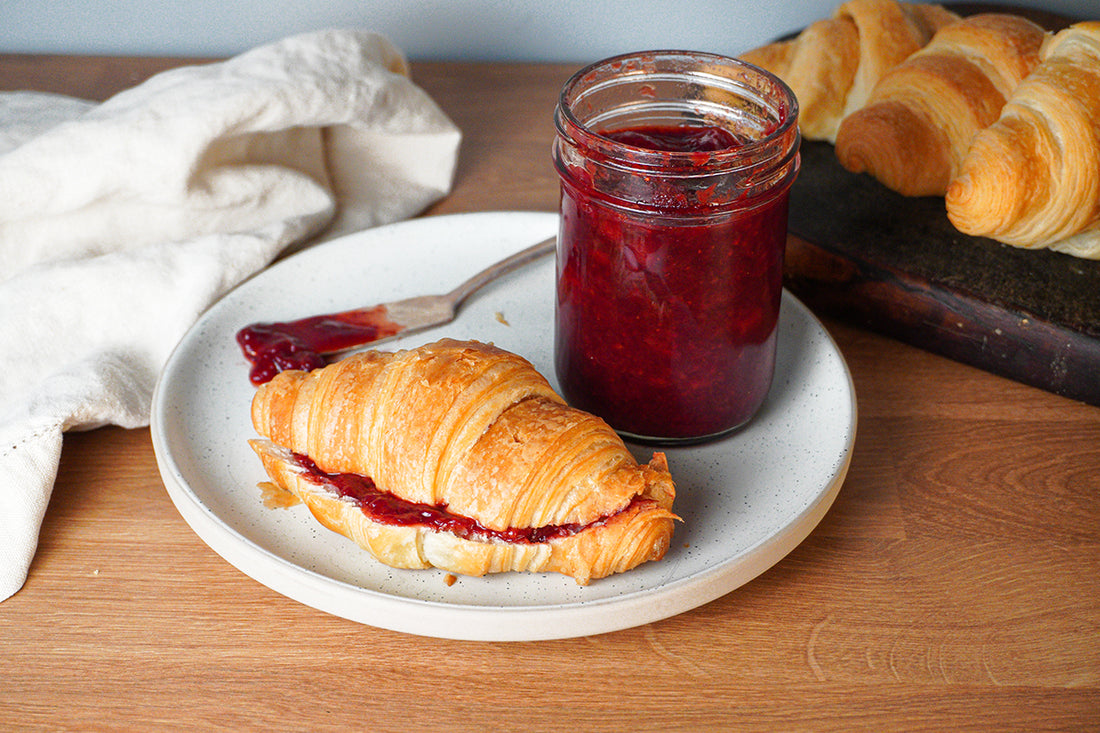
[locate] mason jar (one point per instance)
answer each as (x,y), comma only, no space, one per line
(675,169)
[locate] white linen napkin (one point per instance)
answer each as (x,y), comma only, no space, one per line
(121,222)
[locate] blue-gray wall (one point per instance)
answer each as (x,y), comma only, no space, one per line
(526,30)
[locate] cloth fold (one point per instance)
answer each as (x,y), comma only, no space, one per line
(121,222)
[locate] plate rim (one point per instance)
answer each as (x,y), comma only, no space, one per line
(472,622)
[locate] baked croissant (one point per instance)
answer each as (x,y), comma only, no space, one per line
(834,63)
(1032,179)
(923,114)
(460,456)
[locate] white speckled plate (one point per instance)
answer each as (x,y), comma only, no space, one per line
(746,501)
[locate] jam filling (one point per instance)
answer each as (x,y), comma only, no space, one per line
(275,347)
(385,508)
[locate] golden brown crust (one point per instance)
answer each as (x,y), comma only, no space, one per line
(1032,178)
(403,418)
(819,66)
(922,115)
(834,63)
(889,32)
(477,430)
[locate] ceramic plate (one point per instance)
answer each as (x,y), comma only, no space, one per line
(746,500)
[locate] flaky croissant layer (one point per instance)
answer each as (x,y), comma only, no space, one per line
(922,115)
(1032,178)
(834,63)
(479,433)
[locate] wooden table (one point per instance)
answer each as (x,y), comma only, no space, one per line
(954,585)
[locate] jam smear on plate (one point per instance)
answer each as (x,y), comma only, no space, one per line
(302,344)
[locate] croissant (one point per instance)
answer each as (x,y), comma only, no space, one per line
(460,456)
(1032,178)
(834,63)
(922,115)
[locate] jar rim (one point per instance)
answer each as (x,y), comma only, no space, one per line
(568,123)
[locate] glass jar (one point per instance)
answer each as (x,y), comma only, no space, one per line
(675,170)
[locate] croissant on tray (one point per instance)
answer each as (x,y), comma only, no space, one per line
(923,114)
(460,456)
(1032,178)
(834,63)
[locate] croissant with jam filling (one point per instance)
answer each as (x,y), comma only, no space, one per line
(460,456)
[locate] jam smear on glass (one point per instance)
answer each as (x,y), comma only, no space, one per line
(676,138)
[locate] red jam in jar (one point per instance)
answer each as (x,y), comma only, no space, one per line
(675,169)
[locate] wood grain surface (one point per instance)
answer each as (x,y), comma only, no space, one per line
(954,585)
